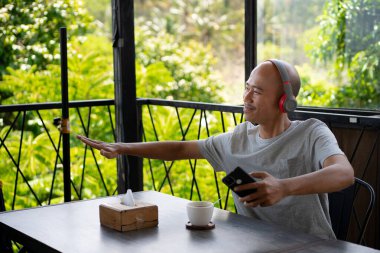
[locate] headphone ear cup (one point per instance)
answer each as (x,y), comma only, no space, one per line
(290,104)
(281,103)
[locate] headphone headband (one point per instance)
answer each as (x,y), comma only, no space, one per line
(288,102)
(281,69)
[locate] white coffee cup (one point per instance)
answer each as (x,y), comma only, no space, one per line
(200,212)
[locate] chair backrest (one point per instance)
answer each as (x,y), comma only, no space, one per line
(5,243)
(341,208)
(2,202)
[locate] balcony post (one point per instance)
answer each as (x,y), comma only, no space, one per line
(65,125)
(127,125)
(250,36)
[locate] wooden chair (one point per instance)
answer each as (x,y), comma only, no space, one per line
(341,208)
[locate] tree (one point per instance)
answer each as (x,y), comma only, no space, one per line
(172,69)
(29,34)
(348,39)
(90,75)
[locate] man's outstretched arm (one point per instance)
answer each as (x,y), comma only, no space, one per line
(164,150)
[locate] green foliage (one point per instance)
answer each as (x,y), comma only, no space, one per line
(38,167)
(282,24)
(198,20)
(26,81)
(269,50)
(348,42)
(90,75)
(363,88)
(90,68)
(35,164)
(172,69)
(166,68)
(315,91)
(31,34)
(216,25)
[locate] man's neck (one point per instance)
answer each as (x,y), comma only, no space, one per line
(274,128)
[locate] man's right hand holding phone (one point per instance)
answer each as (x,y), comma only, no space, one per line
(270,190)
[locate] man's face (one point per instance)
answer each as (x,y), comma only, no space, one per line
(262,93)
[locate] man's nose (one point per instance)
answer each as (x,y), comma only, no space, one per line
(247,95)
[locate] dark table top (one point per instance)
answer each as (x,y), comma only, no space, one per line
(75,227)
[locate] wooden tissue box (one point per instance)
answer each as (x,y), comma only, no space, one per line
(126,218)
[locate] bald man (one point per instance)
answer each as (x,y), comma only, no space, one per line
(296,162)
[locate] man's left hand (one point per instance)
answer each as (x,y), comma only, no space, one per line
(270,190)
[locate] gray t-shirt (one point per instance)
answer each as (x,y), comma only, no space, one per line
(301,149)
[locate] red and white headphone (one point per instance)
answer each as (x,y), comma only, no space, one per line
(288,102)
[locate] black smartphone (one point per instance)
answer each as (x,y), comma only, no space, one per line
(239,177)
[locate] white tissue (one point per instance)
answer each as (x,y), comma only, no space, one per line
(128,199)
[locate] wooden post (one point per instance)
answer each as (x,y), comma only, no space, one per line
(127,124)
(65,123)
(250,36)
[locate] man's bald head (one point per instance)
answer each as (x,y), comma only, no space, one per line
(294,78)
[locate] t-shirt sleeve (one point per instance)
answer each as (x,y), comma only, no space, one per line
(215,149)
(325,144)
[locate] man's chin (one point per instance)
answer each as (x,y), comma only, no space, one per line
(250,119)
